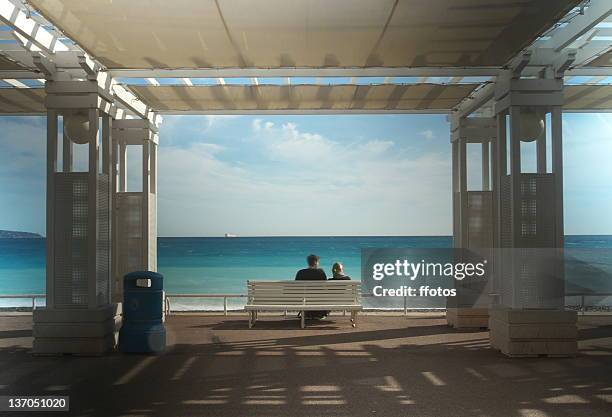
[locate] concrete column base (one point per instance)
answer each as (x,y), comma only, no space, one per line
(468,317)
(529,333)
(76,331)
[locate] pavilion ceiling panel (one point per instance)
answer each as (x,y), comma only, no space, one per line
(588,97)
(604,60)
(302,33)
(183,98)
(22,100)
(8,65)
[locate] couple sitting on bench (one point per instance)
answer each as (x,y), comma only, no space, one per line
(314,273)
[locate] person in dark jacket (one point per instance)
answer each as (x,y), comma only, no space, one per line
(338,272)
(312,273)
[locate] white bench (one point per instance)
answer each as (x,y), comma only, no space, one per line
(303,296)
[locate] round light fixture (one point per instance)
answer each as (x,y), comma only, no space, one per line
(532,125)
(76,128)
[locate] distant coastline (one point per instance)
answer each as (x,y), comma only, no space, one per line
(11,234)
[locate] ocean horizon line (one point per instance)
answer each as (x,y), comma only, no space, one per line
(351,236)
(309,236)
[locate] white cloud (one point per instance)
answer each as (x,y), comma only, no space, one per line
(427,134)
(304,183)
(376,146)
(258,125)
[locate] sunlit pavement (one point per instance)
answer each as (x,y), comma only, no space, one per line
(387,366)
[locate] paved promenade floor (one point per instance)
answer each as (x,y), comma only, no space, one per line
(388,366)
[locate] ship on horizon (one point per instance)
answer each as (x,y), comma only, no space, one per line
(230,235)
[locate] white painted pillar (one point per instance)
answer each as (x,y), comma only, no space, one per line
(557,169)
(78,317)
(529,271)
(472,221)
(122,166)
(50,238)
(135,217)
(485,166)
(67,153)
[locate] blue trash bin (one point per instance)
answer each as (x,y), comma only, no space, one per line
(143,329)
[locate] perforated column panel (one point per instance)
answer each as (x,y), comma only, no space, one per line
(129,231)
(480,226)
(103,241)
(152,232)
(506,213)
(537,221)
(70,240)
(532,271)
(71,258)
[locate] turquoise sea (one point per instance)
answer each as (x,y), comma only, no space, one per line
(222,265)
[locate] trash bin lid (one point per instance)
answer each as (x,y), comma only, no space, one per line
(135,280)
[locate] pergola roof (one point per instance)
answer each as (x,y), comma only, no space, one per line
(302,33)
(22,101)
(604,60)
(303,56)
(7,65)
(588,97)
(429,98)
(434,98)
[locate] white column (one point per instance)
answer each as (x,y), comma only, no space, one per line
(146,189)
(463,203)
(485,166)
(78,317)
(51,169)
(515,170)
(67,154)
(557,165)
(122,166)
(92,215)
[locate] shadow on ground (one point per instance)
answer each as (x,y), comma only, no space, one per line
(388,366)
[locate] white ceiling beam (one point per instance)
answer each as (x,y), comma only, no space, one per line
(27,27)
(589,71)
(26,43)
(25,74)
(302,112)
(478,98)
(344,72)
(20,75)
(44,65)
(133,103)
(596,12)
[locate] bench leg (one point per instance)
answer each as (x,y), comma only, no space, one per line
(303,320)
(250,319)
(354,318)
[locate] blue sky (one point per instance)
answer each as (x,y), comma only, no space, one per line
(307,175)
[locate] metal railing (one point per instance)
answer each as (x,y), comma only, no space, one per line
(582,295)
(225,297)
(33,297)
